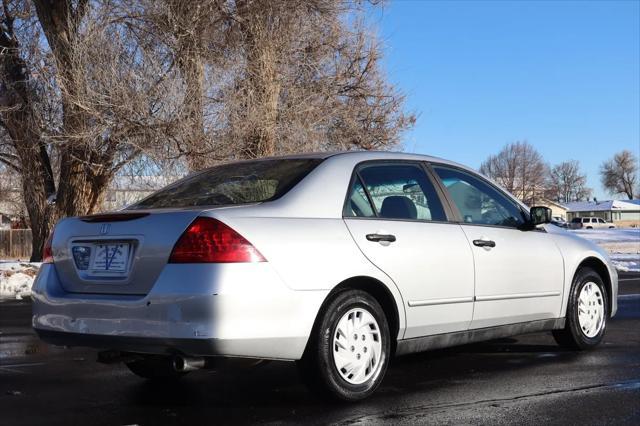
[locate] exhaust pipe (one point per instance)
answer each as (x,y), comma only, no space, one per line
(184,364)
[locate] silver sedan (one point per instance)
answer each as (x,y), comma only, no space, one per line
(336,261)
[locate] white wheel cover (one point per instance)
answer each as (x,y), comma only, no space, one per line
(591,310)
(357,346)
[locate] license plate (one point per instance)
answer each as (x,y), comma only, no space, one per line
(111,257)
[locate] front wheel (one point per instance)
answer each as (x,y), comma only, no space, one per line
(348,350)
(587,312)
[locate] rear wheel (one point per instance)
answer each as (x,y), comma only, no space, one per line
(587,312)
(348,350)
(155,367)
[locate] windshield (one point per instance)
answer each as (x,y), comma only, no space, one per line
(230,184)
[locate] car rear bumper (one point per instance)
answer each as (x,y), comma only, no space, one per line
(241,310)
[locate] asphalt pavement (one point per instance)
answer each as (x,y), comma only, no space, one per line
(523,380)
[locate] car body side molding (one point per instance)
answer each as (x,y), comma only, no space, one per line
(431,302)
(517,296)
(446,340)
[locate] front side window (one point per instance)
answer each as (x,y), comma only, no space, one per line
(397,191)
(230,184)
(601,221)
(479,202)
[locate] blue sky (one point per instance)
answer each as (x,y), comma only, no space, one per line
(563,75)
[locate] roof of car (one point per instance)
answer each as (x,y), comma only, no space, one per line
(364,154)
(369,155)
(390,154)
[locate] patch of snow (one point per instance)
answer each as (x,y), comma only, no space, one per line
(611,235)
(626,262)
(623,245)
(16,279)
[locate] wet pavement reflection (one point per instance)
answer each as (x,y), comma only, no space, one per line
(525,379)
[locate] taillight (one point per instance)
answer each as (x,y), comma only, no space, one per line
(47,253)
(208,240)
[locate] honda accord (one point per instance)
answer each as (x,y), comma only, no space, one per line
(337,261)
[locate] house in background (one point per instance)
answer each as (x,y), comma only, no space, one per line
(621,212)
(557,209)
(12,210)
(5,221)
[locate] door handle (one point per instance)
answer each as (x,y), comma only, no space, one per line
(484,243)
(376,238)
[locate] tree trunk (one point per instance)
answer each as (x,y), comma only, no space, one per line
(21,124)
(263,85)
(79,185)
(261,141)
(37,187)
(192,70)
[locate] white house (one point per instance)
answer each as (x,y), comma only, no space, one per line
(620,212)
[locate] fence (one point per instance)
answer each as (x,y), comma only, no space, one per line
(15,243)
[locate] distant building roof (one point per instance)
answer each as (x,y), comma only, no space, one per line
(555,203)
(592,206)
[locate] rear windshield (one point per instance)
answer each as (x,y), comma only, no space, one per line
(576,220)
(236,183)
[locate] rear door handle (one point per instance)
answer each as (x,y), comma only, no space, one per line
(376,238)
(484,243)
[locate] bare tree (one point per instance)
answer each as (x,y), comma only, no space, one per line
(309,79)
(520,169)
(196,37)
(567,183)
(88,87)
(24,147)
(619,175)
(267,77)
(77,104)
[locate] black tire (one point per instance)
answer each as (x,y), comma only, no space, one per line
(572,336)
(317,365)
(155,367)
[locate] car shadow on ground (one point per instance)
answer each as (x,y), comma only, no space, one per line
(278,383)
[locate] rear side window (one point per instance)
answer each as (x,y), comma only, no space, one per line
(358,204)
(236,183)
(397,191)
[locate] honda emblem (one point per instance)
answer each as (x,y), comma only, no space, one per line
(105,228)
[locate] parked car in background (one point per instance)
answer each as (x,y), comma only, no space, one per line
(590,223)
(559,221)
(335,261)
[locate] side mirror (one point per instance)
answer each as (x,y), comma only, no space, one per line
(540,215)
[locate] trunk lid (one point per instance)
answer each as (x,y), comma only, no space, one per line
(118,253)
